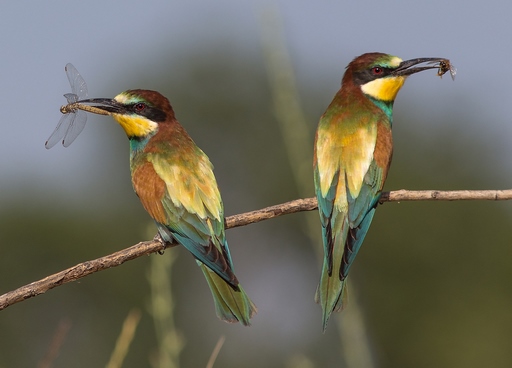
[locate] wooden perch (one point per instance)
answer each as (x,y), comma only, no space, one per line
(147,247)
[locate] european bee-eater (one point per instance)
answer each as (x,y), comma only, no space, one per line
(352,154)
(175,183)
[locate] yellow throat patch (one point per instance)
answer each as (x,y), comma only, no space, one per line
(134,125)
(383,89)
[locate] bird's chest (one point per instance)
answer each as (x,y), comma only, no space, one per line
(383,146)
(150,188)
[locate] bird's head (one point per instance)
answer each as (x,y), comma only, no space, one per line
(138,111)
(380,76)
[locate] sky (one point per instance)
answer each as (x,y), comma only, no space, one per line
(106,39)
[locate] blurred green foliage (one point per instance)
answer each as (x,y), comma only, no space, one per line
(432,278)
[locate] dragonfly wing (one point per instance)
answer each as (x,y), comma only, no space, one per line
(60,130)
(70,125)
(78,86)
(71,97)
(75,127)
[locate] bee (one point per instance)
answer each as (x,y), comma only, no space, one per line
(445,66)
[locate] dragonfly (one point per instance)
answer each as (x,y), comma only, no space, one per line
(74,117)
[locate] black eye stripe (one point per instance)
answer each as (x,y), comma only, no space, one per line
(366,75)
(150,112)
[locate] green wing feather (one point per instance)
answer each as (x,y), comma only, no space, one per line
(194,216)
(348,183)
(230,305)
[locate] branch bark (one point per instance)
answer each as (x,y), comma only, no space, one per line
(147,247)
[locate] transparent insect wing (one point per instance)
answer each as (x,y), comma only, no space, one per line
(75,127)
(60,130)
(453,71)
(78,85)
(73,121)
(71,97)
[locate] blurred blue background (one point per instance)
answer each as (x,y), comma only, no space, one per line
(431,284)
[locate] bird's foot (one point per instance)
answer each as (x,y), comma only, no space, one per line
(165,244)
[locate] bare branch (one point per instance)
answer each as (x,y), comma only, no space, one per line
(450,195)
(147,247)
(298,205)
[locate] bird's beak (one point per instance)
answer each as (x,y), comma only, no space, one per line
(405,67)
(108,105)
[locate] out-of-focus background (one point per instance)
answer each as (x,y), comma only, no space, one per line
(431,286)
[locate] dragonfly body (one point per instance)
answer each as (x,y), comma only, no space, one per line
(74,107)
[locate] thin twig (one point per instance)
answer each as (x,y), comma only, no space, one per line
(56,344)
(170,340)
(215,352)
(147,247)
(125,339)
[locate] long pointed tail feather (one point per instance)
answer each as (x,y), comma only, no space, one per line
(231,306)
(331,294)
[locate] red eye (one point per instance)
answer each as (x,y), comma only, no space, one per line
(377,70)
(139,107)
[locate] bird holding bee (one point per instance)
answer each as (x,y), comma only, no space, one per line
(352,155)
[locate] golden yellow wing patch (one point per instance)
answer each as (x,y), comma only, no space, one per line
(351,155)
(193,188)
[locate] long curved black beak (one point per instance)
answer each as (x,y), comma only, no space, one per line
(108,105)
(442,65)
